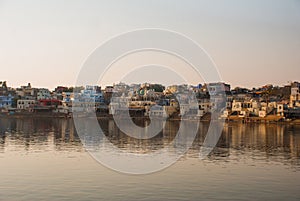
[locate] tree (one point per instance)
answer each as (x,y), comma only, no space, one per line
(158,88)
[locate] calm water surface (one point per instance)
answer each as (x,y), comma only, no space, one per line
(43,159)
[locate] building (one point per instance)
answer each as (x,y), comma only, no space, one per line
(119,105)
(6,101)
(121,88)
(295,95)
(108,92)
(94,93)
(280,109)
(26,92)
(26,104)
(218,88)
(43,94)
(50,102)
(67,98)
(205,105)
(158,111)
(60,89)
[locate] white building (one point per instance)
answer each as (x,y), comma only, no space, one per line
(246,107)
(158,111)
(43,94)
(25,104)
(280,109)
(236,106)
(262,113)
(118,104)
(184,109)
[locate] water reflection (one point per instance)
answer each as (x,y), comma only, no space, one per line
(258,142)
(38,135)
(265,141)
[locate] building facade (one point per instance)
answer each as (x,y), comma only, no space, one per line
(6,101)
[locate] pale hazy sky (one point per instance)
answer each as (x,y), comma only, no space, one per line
(252,42)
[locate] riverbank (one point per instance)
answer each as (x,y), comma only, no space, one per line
(34,115)
(205,118)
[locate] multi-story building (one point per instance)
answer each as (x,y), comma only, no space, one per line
(295,95)
(43,94)
(26,104)
(89,99)
(26,91)
(218,88)
(67,98)
(94,93)
(6,101)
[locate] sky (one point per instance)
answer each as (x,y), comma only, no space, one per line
(252,43)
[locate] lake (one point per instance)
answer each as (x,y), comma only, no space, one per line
(44,159)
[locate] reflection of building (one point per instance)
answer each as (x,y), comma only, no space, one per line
(268,139)
(295,145)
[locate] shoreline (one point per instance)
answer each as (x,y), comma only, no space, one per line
(231,119)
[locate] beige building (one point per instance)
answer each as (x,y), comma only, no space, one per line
(295,95)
